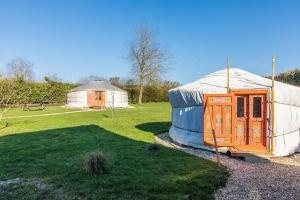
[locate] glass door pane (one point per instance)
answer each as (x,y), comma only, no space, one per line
(257,107)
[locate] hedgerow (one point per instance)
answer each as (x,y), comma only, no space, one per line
(51,92)
(34,92)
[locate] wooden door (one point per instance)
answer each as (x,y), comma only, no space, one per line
(250,120)
(96,98)
(257,116)
(99,98)
(241,127)
(91,98)
(237,119)
(218,119)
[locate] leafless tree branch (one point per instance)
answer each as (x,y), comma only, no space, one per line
(148,59)
(20,70)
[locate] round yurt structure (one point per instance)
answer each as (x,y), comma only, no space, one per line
(239,119)
(97,93)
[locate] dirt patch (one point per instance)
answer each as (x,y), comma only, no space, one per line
(12,185)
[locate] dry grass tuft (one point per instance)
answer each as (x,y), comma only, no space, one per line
(95,163)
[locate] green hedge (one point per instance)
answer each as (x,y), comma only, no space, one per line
(33,92)
(56,93)
(152,93)
(48,93)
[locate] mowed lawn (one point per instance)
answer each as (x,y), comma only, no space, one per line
(15,112)
(51,149)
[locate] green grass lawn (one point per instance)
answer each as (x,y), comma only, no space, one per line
(14,112)
(52,148)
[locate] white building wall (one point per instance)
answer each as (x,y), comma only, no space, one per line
(77,99)
(117,99)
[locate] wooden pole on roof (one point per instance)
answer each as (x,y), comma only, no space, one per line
(228,81)
(272,106)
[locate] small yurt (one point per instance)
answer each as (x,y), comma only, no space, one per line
(97,93)
(207,113)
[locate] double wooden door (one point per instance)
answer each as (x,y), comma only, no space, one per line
(238,119)
(96,98)
(250,120)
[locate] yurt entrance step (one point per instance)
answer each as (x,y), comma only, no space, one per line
(98,107)
(238,119)
(252,156)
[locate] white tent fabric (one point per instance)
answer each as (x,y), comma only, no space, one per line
(187,108)
(118,99)
(114,96)
(77,99)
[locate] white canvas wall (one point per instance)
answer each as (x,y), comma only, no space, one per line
(77,99)
(187,126)
(287,131)
(117,99)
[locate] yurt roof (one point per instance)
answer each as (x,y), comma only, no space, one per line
(97,85)
(191,94)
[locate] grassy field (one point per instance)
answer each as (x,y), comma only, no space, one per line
(51,109)
(51,149)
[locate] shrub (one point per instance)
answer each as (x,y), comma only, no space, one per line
(35,92)
(152,92)
(95,163)
(153,147)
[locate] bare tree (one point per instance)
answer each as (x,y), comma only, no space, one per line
(115,80)
(20,70)
(148,59)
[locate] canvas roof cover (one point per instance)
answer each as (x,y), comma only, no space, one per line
(215,83)
(97,85)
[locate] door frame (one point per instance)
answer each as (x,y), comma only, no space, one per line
(265,117)
(233,94)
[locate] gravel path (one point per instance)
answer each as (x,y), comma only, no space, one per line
(278,179)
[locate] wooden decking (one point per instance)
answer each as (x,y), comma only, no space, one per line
(252,156)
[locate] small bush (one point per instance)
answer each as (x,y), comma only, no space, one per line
(153,147)
(96,163)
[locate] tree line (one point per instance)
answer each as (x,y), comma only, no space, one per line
(291,77)
(148,63)
(18,87)
(157,92)
(53,92)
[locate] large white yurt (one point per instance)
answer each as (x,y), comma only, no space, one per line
(97,93)
(241,118)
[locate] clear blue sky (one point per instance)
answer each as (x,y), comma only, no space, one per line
(74,39)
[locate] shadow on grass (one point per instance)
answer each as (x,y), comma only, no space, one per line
(155,127)
(55,156)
